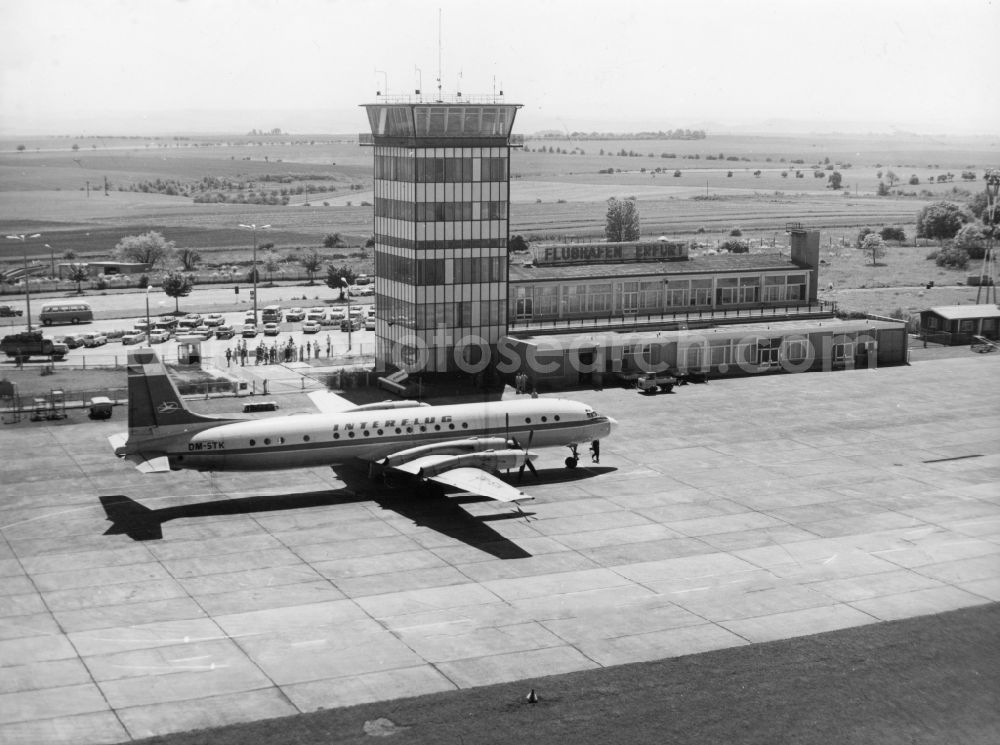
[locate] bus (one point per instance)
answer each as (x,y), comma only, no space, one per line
(271,314)
(66,313)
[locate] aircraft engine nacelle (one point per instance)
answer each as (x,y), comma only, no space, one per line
(487,460)
(451,447)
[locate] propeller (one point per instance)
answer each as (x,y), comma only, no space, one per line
(527,458)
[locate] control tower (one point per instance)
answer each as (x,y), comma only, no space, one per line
(442,181)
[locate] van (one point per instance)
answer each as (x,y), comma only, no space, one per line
(66,313)
(271,314)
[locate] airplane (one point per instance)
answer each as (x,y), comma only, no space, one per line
(456,445)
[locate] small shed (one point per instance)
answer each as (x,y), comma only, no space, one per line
(957,324)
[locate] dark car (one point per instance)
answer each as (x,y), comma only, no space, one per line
(72,341)
(353,323)
(225,332)
(6,311)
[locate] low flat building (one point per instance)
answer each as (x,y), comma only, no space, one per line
(657,280)
(957,324)
(606,357)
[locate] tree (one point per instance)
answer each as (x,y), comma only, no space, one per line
(333,240)
(862,234)
(890,233)
(952,258)
(149,248)
(874,246)
(177,285)
(835,180)
(972,238)
(336,276)
(311,261)
(883,190)
(271,265)
(517,243)
(941,220)
(189,259)
(622,220)
(736,247)
(891,177)
(20,148)
(78,273)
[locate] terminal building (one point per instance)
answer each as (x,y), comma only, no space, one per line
(452,299)
(654,280)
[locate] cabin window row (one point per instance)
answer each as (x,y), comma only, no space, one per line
(381,431)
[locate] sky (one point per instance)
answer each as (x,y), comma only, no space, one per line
(167,66)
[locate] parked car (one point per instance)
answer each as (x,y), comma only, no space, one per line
(225,332)
(311,327)
(293,315)
(249,331)
(249,318)
(316,314)
(7,311)
(197,318)
(72,341)
(271,329)
(214,320)
(158,336)
(351,324)
(167,323)
(370,323)
(205,332)
(133,337)
(94,339)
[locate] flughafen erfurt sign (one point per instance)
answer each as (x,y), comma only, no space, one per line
(611,253)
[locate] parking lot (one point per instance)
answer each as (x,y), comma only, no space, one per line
(122,312)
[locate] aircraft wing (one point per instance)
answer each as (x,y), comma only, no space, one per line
(413,467)
(478,481)
(329,402)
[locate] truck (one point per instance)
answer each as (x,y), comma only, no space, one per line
(656,382)
(29,344)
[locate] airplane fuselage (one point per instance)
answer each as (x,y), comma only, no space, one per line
(306,440)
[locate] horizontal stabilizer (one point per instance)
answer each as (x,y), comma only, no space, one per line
(477,481)
(145,464)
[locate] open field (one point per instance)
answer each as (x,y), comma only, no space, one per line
(554,195)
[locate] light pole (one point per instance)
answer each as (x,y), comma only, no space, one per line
(253,230)
(27,288)
(149,328)
(350,323)
(52,260)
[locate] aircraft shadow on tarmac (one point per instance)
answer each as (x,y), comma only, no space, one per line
(427,508)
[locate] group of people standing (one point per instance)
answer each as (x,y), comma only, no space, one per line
(275,353)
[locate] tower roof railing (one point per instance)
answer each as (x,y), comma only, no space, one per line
(430,100)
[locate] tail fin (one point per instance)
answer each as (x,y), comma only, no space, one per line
(153,399)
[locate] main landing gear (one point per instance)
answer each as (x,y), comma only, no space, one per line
(572,461)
